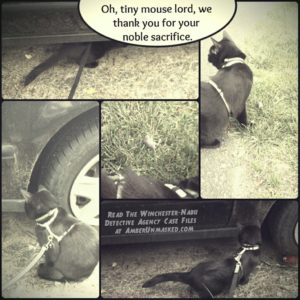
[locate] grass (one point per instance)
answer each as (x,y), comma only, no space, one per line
(173,125)
(271,144)
(273,104)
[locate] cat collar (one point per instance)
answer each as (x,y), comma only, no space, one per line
(245,247)
(47,224)
(221,95)
(232,61)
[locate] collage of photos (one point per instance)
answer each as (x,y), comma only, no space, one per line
(150,168)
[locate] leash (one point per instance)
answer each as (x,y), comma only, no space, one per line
(221,95)
(207,289)
(53,213)
(239,266)
(82,64)
(29,267)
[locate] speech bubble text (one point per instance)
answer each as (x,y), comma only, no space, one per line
(157,23)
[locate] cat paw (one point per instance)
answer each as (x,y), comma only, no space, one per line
(215,144)
(244,281)
(92,65)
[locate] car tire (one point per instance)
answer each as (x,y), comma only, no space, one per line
(282,223)
(71,171)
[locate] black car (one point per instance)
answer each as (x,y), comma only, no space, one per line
(55,144)
(124,221)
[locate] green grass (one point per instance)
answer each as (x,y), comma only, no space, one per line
(172,124)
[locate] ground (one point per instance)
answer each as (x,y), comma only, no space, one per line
(261,160)
(124,73)
(19,247)
(125,268)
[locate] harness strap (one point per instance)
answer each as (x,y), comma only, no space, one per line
(221,95)
(47,224)
(239,266)
(120,181)
(82,64)
(232,61)
(52,212)
(177,190)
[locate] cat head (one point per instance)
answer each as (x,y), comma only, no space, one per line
(250,234)
(225,48)
(39,203)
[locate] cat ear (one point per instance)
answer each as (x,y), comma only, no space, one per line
(227,36)
(216,44)
(27,195)
(42,188)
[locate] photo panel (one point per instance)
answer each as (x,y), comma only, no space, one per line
(147,251)
(249,104)
(50,199)
(47,45)
(152,147)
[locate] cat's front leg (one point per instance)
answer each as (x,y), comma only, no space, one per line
(242,117)
(210,144)
(244,280)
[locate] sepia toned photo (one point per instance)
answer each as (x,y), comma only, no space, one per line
(50,199)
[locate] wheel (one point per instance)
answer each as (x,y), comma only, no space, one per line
(71,171)
(282,222)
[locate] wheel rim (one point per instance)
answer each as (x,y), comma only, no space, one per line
(296,233)
(84,195)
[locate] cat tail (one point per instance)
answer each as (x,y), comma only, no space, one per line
(177,276)
(48,63)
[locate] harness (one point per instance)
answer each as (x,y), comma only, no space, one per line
(47,224)
(228,62)
(238,266)
(53,213)
(184,194)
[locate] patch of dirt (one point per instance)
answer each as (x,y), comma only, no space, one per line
(125,268)
(19,247)
(225,172)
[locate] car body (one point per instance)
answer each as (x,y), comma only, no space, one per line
(29,131)
(47,22)
(137,221)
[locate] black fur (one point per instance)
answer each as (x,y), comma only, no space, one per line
(142,187)
(217,275)
(235,82)
(74,52)
(77,254)
(108,189)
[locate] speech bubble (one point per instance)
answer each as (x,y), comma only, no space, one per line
(157,23)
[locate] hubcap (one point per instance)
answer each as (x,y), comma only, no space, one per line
(296,233)
(84,195)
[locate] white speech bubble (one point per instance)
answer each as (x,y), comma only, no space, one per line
(157,23)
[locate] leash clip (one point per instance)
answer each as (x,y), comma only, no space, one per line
(49,243)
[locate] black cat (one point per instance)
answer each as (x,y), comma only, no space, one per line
(75,248)
(74,52)
(213,277)
(226,93)
(133,186)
